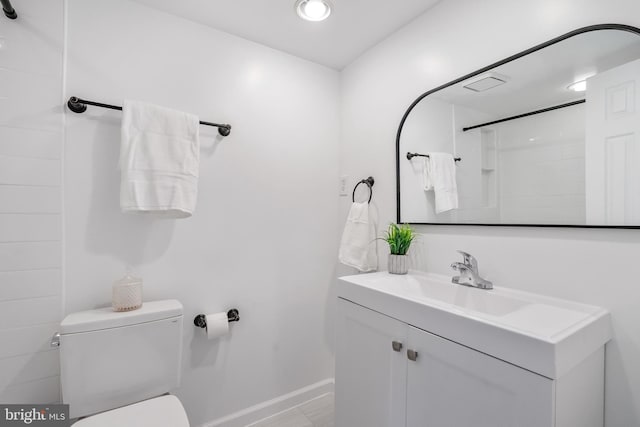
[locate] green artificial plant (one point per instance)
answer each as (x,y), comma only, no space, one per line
(399,238)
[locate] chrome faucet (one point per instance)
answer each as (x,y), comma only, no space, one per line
(469,275)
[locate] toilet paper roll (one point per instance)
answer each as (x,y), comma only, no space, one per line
(217,325)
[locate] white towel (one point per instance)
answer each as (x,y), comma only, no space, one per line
(358,245)
(159,160)
(439,175)
(426,174)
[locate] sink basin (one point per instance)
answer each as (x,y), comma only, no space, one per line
(432,289)
(545,335)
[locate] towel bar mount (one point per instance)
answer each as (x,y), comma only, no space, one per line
(369,181)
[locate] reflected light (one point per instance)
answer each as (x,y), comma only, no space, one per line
(579,86)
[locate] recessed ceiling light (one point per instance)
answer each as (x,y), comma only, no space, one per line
(313,10)
(579,86)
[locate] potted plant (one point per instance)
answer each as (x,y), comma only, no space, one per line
(399,238)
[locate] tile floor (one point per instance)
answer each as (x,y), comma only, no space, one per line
(314,413)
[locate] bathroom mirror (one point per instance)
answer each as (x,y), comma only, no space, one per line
(547,137)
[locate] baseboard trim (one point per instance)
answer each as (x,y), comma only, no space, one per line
(274,406)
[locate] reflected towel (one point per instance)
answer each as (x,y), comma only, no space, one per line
(426,174)
(439,175)
(358,245)
(159,160)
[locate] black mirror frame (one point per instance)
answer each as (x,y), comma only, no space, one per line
(621,27)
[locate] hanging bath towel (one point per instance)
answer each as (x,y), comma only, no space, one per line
(358,245)
(440,176)
(159,160)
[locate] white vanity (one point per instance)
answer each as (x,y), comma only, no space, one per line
(416,350)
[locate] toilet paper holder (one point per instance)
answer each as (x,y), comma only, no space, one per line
(200,320)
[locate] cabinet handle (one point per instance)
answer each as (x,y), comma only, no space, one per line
(412,355)
(396,345)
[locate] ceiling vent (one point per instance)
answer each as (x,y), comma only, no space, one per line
(486,82)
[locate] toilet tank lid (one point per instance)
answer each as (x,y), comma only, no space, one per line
(106,318)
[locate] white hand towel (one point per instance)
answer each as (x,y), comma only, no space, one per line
(441,171)
(358,245)
(159,160)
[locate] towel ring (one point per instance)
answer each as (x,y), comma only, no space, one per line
(369,181)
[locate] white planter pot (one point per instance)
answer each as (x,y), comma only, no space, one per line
(398,264)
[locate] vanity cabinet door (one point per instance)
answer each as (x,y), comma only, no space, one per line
(370,373)
(450,385)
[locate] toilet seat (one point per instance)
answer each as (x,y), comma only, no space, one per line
(159,411)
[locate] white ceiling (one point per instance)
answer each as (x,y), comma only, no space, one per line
(353,27)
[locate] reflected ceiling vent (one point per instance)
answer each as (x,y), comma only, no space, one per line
(486,81)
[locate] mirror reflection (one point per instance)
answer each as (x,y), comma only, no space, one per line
(551,138)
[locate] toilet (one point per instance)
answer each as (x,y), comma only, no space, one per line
(116,368)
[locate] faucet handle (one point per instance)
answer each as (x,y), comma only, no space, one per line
(469,259)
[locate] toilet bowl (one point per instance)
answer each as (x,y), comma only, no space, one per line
(116,368)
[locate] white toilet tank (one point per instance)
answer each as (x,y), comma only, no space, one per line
(110,359)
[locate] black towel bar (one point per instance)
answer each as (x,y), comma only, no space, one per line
(78,105)
(412,155)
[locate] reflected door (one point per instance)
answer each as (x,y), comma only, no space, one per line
(613,146)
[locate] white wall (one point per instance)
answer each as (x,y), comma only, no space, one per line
(30,201)
(452,39)
(264,234)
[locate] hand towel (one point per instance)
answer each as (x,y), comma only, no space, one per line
(159,160)
(358,245)
(440,174)
(426,174)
